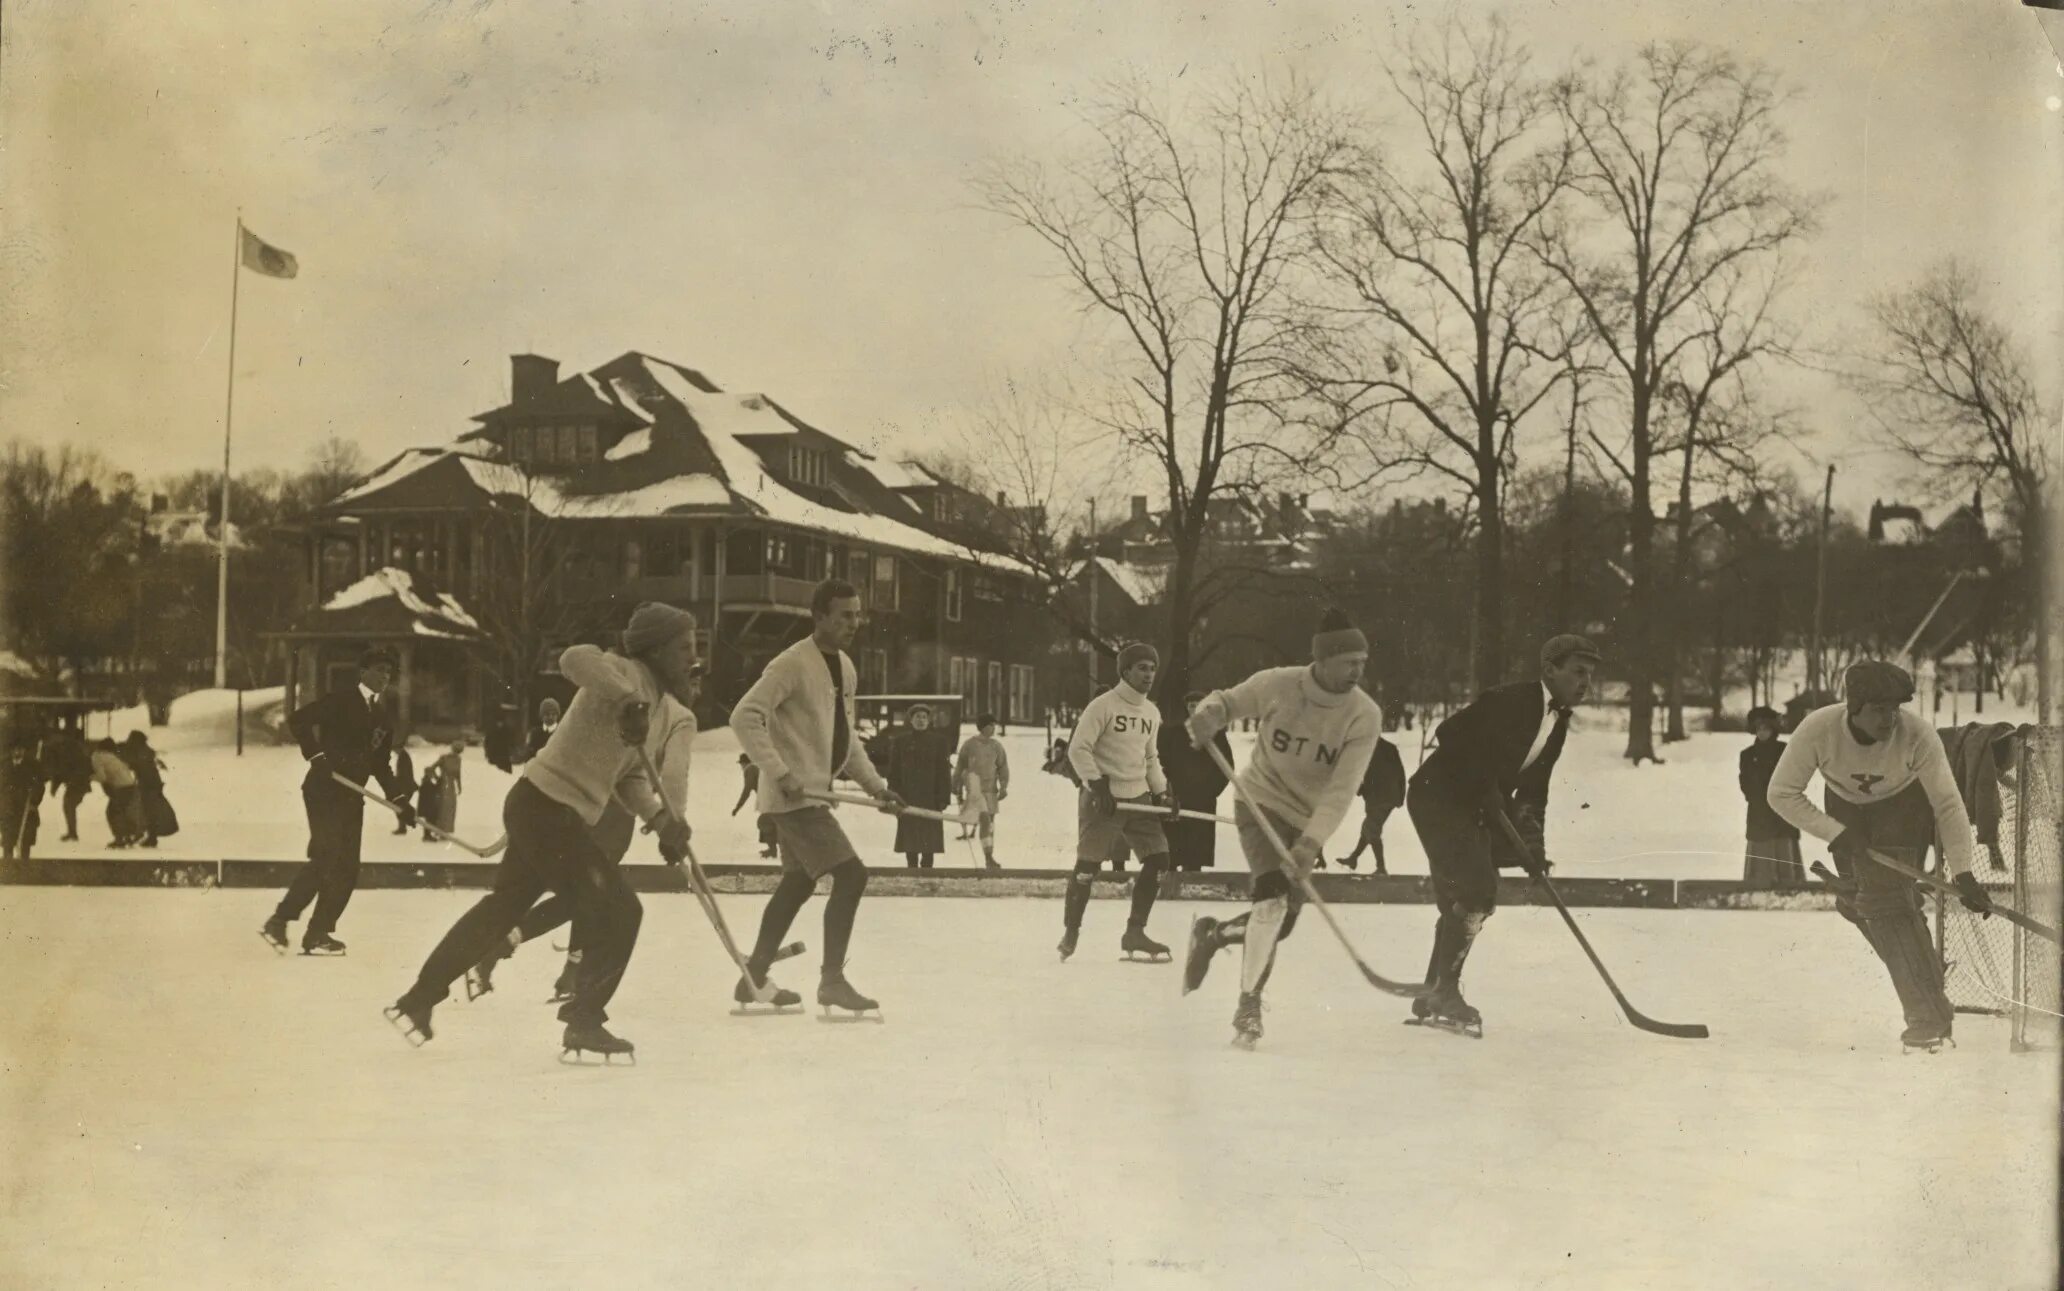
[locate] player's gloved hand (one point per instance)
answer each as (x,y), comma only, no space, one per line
(1852,848)
(1201,727)
(673,839)
(634,721)
(890,803)
(790,785)
(1167,802)
(1304,854)
(1975,898)
(1100,799)
(1001,794)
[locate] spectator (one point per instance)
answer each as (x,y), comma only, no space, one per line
(501,739)
(405,776)
(152,807)
(1382,792)
(69,764)
(21,789)
(1196,782)
(548,721)
(443,809)
(119,783)
(1771,856)
(745,795)
(920,769)
(983,776)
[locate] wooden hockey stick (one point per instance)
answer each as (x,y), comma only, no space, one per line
(492,849)
(1948,888)
(1681,1030)
(966,815)
(1148,809)
(698,883)
(1406,990)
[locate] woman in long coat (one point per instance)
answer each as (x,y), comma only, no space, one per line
(1196,782)
(443,809)
(159,820)
(921,770)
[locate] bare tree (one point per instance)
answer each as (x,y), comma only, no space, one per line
(1675,158)
(1189,234)
(1433,250)
(1950,387)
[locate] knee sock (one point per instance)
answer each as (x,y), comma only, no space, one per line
(848,881)
(1264,926)
(782,907)
(1077,899)
(1144,889)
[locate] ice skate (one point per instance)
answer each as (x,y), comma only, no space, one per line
(413,1021)
(275,934)
(1136,942)
(1204,943)
(1446,1010)
(835,992)
(755,983)
(1067,946)
(324,945)
(1926,1037)
(592,1037)
(1247,1021)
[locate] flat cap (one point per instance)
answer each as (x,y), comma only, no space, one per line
(1873,681)
(1558,650)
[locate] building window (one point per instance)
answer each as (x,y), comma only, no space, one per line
(519,444)
(858,566)
(887,594)
(589,443)
(874,671)
(993,700)
(569,443)
(1021,692)
(806,466)
(633,559)
(970,674)
(954,685)
(953,596)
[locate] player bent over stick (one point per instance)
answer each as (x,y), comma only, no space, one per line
(1889,789)
(1494,758)
(796,723)
(1315,731)
(1116,757)
(624,704)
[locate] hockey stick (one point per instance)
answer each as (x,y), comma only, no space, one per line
(1407,990)
(1947,888)
(1682,1030)
(1148,809)
(698,882)
(492,849)
(966,816)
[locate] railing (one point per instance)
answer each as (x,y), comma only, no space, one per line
(771,589)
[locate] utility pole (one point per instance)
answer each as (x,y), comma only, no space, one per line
(1827,504)
(1092,571)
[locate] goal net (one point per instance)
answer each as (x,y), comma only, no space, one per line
(1989,965)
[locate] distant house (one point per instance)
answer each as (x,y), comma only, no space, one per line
(642,480)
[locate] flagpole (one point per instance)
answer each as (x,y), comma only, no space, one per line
(236,260)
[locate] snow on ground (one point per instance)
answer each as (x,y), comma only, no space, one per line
(1680,820)
(186,1109)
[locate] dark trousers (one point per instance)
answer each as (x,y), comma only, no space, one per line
(74,794)
(550,850)
(1462,858)
(336,823)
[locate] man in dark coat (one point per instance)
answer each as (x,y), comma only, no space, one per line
(1196,782)
(1382,792)
(70,768)
(21,789)
(1495,756)
(347,733)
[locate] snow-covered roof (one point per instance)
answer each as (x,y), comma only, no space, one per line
(14,663)
(1143,583)
(401,585)
(638,441)
(891,473)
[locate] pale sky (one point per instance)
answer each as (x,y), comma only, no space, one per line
(777,193)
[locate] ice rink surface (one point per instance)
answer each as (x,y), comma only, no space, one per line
(185,1109)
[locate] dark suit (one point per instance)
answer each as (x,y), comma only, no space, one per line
(339,734)
(1196,782)
(1477,764)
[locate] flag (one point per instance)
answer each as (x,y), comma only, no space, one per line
(260,256)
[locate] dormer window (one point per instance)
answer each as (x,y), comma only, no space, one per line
(567,445)
(807,466)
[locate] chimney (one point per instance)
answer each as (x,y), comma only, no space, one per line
(1139,506)
(1286,506)
(530,376)
(1002,500)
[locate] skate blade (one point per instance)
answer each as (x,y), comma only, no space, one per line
(849,1015)
(322,954)
(278,947)
(1145,957)
(408,1029)
(1246,1043)
(579,1058)
(1936,1047)
(1473,1030)
(757,1010)
(477,986)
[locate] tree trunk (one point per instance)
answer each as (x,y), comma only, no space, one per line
(1173,678)
(1640,594)
(1487,662)
(1680,578)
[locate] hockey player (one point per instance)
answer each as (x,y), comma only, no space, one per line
(349,733)
(982,772)
(624,702)
(1116,759)
(1315,732)
(1496,755)
(796,723)
(1889,789)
